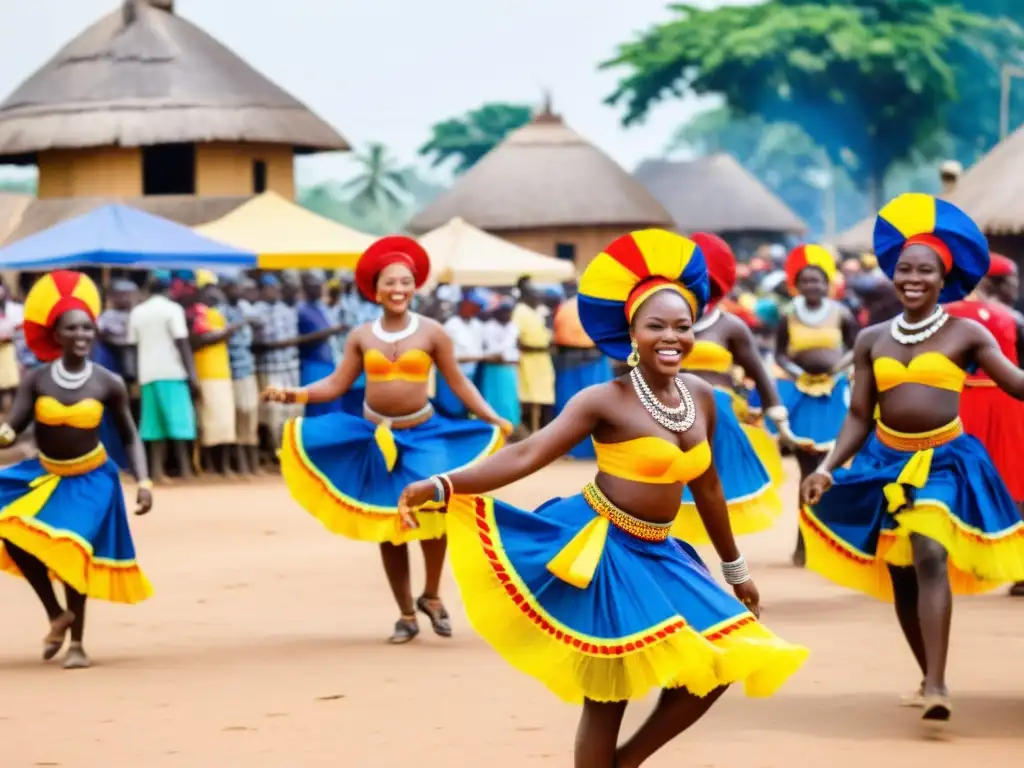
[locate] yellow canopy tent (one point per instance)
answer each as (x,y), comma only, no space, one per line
(285,235)
(464,255)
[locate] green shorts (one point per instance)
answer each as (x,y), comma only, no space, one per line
(167,412)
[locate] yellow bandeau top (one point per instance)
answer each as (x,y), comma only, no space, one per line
(85,414)
(932,369)
(708,356)
(652,460)
(413,365)
(803,338)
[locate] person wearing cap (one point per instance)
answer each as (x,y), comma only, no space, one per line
(168,383)
(467,334)
(987,412)
(921,513)
(589,594)
(348,471)
(63,514)
(536,369)
(811,351)
(499,371)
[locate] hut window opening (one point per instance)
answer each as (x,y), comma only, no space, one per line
(565,251)
(259,177)
(169,169)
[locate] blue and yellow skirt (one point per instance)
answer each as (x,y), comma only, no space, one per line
(817,407)
(71,516)
(599,605)
(939,484)
(571,378)
(750,467)
(348,472)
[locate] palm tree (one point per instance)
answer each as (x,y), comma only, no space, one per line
(380,185)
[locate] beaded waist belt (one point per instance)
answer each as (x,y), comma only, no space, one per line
(413,419)
(979,383)
(81,465)
(918,441)
(623,520)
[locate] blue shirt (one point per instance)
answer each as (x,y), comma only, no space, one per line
(313,317)
(240,355)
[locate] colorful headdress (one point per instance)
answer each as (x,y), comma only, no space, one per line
(52,296)
(804,256)
(721,263)
(394,249)
(627,273)
(1000,266)
(919,219)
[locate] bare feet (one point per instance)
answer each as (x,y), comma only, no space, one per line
(76,658)
(54,641)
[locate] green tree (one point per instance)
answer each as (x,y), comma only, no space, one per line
(468,138)
(868,80)
(380,184)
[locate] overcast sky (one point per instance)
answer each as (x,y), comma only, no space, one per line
(386,70)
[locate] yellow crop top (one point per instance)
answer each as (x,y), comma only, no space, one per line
(803,338)
(652,460)
(932,369)
(85,414)
(708,356)
(413,365)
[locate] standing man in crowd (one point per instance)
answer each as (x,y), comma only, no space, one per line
(316,330)
(277,356)
(536,370)
(12,315)
(238,312)
(159,330)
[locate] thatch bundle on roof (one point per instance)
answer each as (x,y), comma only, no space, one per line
(542,176)
(717,194)
(142,76)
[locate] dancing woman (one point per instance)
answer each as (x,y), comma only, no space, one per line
(590,594)
(746,457)
(921,513)
(812,347)
(63,513)
(348,471)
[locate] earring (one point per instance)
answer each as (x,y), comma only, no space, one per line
(634,357)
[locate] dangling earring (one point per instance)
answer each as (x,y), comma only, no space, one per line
(634,357)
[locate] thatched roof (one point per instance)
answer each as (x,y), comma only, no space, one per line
(184,209)
(716,194)
(992,190)
(544,175)
(142,76)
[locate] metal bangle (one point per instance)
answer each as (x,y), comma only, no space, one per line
(449,489)
(439,495)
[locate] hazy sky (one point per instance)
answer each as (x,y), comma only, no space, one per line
(386,70)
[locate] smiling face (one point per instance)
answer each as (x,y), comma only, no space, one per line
(395,288)
(812,284)
(75,333)
(663,332)
(918,277)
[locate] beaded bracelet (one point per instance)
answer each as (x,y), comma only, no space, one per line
(736,572)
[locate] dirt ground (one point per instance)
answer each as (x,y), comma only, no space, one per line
(263,648)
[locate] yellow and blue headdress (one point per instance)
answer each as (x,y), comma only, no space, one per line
(919,219)
(627,273)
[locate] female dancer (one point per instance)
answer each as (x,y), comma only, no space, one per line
(347,471)
(811,346)
(922,511)
(63,513)
(746,457)
(590,594)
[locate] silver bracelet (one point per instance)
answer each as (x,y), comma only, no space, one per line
(736,572)
(438,489)
(777,414)
(822,471)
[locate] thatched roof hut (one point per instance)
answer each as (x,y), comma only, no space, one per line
(717,194)
(549,190)
(142,78)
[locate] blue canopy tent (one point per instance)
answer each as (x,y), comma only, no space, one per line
(119,236)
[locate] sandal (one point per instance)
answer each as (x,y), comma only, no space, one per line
(937,708)
(440,622)
(914,700)
(406,629)
(54,640)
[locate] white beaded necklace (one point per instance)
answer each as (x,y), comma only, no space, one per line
(707,321)
(808,316)
(393,337)
(901,329)
(677,419)
(69,380)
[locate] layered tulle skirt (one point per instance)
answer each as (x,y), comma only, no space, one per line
(941,485)
(348,472)
(71,516)
(817,407)
(596,604)
(750,468)
(997,420)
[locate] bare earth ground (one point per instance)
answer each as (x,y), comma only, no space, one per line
(264,648)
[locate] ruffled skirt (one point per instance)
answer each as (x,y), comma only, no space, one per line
(749,465)
(568,596)
(899,485)
(71,516)
(348,472)
(816,411)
